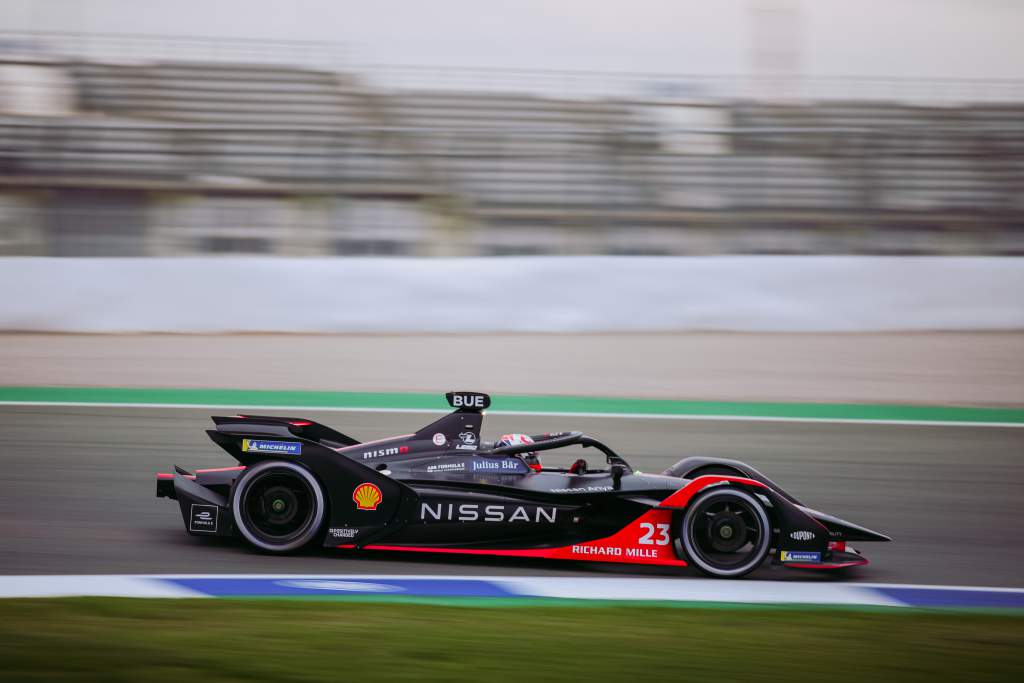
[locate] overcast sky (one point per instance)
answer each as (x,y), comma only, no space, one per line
(904,38)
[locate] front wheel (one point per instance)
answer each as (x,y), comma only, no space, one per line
(278,506)
(726,532)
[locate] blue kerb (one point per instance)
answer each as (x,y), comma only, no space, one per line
(334,586)
(952,597)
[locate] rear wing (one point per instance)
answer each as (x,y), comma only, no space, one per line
(460,428)
(283,426)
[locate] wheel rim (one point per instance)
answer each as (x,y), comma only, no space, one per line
(726,533)
(278,506)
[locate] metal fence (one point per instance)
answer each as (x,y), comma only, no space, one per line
(107,156)
(335,56)
(790,168)
(694,86)
(129,47)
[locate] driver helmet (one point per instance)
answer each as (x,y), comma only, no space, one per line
(531,458)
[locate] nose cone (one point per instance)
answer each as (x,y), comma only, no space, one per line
(848,530)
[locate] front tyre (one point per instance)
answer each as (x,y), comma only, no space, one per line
(278,506)
(726,532)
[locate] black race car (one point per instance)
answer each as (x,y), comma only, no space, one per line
(442,490)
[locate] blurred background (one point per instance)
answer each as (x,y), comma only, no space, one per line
(810,212)
(318,128)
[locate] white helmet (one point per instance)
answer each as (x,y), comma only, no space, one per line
(530,457)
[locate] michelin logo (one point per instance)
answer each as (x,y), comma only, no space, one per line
(800,556)
(261,446)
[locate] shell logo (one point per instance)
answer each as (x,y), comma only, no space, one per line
(367,496)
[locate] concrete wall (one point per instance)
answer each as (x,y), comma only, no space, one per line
(547,294)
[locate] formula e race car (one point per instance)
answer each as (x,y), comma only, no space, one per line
(443,490)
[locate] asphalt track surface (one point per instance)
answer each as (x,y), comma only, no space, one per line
(77,493)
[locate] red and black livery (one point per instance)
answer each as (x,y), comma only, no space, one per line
(443,490)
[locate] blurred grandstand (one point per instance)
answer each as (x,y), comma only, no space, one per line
(130,146)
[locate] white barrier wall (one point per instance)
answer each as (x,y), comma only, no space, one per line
(757,293)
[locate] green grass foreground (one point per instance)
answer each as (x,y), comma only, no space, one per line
(103,639)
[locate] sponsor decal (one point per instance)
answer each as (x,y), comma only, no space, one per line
(584,489)
(447,467)
(597,550)
(496,465)
(343,533)
(476,512)
(263,446)
(367,496)
(799,556)
(649,538)
(478,401)
(439,439)
(802,535)
(464,447)
(381,452)
(203,518)
(468,438)
(615,551)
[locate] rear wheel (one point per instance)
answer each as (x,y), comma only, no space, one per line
(278,506)
(726,532)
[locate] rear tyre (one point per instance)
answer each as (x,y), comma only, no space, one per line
(726,533)
(278,506)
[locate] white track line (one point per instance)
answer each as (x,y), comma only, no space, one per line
(621,416)
(118,586)
(642,589)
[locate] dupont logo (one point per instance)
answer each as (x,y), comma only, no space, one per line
(203,519)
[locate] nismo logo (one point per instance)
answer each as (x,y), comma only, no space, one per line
(384,452)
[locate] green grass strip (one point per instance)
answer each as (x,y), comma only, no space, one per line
(110,639)
(230,398)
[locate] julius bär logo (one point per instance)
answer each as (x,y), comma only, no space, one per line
(367,496)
